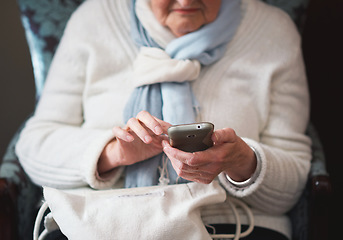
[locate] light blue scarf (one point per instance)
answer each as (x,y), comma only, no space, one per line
(174,102)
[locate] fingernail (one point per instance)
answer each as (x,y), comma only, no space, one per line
(129,138)
(215,137)
(158,130)
(165,144)
(147,139)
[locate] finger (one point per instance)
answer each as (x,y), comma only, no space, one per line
(150,122)
(195,170)
(164,125)
(177,165)
(181,170)
(203,180)
(174,153)
(134,125)
(120,133)
(201,177)
(195,159)
(225,135)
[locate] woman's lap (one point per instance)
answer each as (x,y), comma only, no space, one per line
(259,233)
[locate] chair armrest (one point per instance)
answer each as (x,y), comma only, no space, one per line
(319,206)
(19,197)
(7,210)
(319,177)
(10,171)
(320,190)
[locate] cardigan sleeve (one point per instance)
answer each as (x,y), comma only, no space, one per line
(283,148)
(282,145)
(54,148)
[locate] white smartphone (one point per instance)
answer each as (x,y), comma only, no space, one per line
(191,137)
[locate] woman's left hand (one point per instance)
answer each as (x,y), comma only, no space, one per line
(230,154)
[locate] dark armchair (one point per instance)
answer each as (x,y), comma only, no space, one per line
(44,22)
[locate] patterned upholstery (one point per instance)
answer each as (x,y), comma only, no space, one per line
(44,22)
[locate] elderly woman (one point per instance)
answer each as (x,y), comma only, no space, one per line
(125,71)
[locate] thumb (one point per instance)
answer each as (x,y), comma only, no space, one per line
(225,135)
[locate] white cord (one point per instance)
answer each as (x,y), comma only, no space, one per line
(238,233)
(39,218)
(43,234)
(250,217)
(164,175)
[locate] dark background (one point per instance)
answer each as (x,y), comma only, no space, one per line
(322,44)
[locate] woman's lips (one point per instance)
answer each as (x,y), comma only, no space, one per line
(186,10)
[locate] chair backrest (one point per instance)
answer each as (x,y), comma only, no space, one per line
(295,8)
(44,22)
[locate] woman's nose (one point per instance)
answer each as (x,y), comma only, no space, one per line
(185,3)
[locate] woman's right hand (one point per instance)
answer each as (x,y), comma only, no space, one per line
(139,140)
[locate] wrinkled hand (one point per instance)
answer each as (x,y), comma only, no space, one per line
(139,140)
(230,154)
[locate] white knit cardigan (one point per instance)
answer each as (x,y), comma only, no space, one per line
(258,88)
